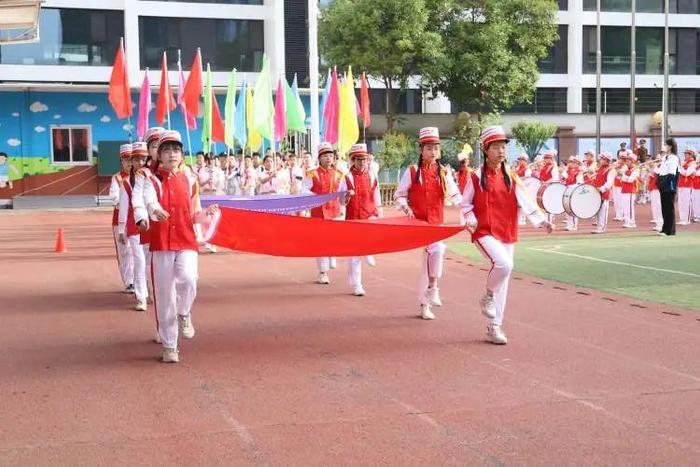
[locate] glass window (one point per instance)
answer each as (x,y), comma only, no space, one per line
(563,5)
(70,37)
(545,100)
(644,6)
(71,145)
(225,43)
(685,101)
(410,101)
(556,60)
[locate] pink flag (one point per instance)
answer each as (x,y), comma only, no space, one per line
(190,120)
(144,107)
(280,112)
(331,111)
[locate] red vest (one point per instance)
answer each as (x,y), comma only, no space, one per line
(601,178)
(496,209)
(175,195)
(427,198)
(546,172)
(462,177)
(361,205)
(115,213)
(629,187)
(696,182)
(652,184)
(685,181)
(520,171)
(325,181)
(131,228)
(571,176)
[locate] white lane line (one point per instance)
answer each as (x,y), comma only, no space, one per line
(620,263)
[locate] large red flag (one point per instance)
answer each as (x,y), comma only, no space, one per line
(364,102)
(218,132)
(166,101)
(119,91)
(193,87)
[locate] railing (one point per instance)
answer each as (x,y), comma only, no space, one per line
(386,190)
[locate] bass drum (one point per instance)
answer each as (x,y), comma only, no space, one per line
(533,185)
(550,197)
(582,201)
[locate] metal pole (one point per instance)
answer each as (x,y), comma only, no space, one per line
(633,71)
(598,65)
(313,73)
(664,96)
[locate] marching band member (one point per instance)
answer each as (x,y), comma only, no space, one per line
(696,194)
(604,181)
(322,180)
(522,169)
(128,231)
(589,167)
(617,187)
(171,210)
(574,176)
(628,176)
(125,260)
(421,194)
(464,170)
(362,201)
(491,201)
(654,195)
(549,172)
(685,186)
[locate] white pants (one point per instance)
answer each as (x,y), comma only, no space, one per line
(602,220)
(501,257)
(149,278)
(655,197)
(696,202)
(617,202)
(174,289)
(627,205)
(355,271)
(140,287)
(125,260)
(684,206)
(433,262)
(571,222)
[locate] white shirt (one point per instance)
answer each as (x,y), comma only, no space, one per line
(670,165)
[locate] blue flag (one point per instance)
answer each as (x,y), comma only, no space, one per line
(240,131)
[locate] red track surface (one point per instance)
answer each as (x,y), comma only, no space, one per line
(286,372)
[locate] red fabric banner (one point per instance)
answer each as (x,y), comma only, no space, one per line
(293,236)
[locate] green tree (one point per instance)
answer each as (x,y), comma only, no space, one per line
(467,129)
(390,40)
(531,136)
(494,48)
(396,151)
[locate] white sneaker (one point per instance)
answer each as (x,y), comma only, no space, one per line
(149,300)
(323,278)
(129,289)
(141,306)
(629,226)
(488,306)
(433,296)
(358,291)
(426,312)
(186,328)
(371,261)
(211,248)
(682,223)
(332,263)
(170,355)
(495,335)
(156,337)
(597,231)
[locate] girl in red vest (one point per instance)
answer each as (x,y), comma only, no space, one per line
(128,231)
(628,175)
(654,195)
(125,260)
(172,201)
(490,203)
(685,187)
(604,180)
(696,194)
(322,180)
(421,194)
(574,176)
(363,201)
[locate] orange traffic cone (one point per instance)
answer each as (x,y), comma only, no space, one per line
(60,242)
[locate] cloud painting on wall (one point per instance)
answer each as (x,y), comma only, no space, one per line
(39,129)
(57,116)
(105,119)
(15,114)
(128,127)
(14,142)
(38,107)
(85,107)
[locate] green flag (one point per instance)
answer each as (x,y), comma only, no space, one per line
(206,123)
(294,112)
(263,108)
(229,110)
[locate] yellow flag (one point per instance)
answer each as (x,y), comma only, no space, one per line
(254,138)
(348,129)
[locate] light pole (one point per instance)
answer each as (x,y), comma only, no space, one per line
(633,71)
(313,74)
(598,60)
(664,96)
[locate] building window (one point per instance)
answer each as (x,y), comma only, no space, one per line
(225,43)
(563,5)
(685,101)
(617,100)
(410,101)
(70,37)
(71,145)
(545,100)
(644,6)
(556,60)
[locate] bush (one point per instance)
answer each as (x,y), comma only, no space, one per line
(397,150)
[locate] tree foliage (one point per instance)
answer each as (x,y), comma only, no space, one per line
(531,136)
(494,50)
(390,40)
(396,151)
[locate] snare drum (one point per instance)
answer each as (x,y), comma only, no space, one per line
(550,197)
(533,185)
(582,201)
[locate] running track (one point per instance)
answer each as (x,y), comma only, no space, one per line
(286,372)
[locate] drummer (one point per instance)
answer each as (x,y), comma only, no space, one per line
(604,180)
(589,167)
(522,170)
(549,173)
(628,175)
(574,176)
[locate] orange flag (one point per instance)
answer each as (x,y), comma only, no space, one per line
(166,101)
(193,87)
(364,102)
(119,90)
